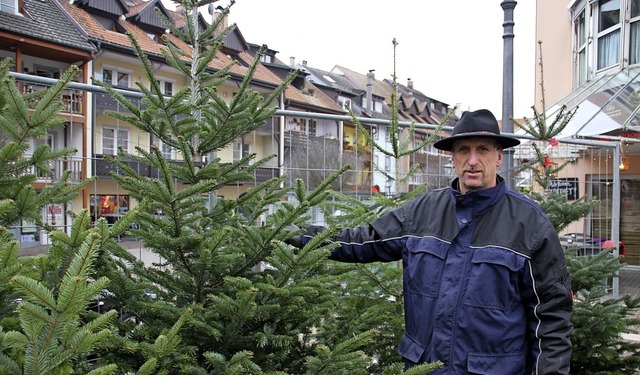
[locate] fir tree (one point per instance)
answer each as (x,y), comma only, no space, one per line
(243,319)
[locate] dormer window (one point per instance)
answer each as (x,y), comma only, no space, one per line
(9,6)
(266,59)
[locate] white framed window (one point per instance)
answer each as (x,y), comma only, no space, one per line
(312,127)
(114,139)
(240,149)
(296,125)
(166,86)
(387,163)
(634,32)
(377,106)
(9,6)
(266,58)
(48,139)
(608,33)
(344,102)
(116,77)
(165,149)
(581,40)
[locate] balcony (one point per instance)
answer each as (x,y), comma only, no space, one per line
(74,165)
(72,100)
(102,168)
(107,102)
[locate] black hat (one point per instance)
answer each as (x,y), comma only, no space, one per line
(477,124)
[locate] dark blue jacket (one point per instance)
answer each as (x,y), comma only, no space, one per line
(486,288)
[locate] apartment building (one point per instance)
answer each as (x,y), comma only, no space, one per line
(45,37)
(590,54)
(43,42)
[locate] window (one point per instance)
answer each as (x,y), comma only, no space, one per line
(166,87)
(608,33)
(634,25)
(109,206)
(48,139)
(116,77)
(9,6)
(113,139)
(580,30)
(387,163)
(344,102)
(240,149)
(266,59)
(312,128)
(165,149)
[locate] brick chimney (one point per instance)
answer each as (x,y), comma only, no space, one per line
(410,83)
(223,25)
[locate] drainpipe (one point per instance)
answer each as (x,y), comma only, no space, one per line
(281,140)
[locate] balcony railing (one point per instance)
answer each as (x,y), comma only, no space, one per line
(108,102)
(71,99)
(103,168)
(74,165)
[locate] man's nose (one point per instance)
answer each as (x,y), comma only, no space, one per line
(473,158)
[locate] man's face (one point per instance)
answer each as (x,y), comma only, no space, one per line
(476,162)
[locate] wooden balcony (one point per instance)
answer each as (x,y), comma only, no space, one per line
(72,100)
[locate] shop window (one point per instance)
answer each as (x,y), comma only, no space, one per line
(109,206)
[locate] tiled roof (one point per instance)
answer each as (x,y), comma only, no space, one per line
(332,80)
(44,20)
(380,88)
(314,98)
(108,38)
(139,7)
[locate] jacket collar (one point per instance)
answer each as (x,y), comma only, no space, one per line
(480,200)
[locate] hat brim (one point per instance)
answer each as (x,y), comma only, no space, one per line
(446,143)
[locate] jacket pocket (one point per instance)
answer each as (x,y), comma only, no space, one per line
(410,349)
(493,281)
(503,364)
(424,265)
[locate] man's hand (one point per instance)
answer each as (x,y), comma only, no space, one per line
(295,240)
(301,239)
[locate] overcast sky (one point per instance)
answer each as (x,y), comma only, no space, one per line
(451,50)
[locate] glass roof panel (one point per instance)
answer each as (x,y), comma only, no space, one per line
(605,105)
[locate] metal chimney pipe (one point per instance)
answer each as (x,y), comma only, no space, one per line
(369,91)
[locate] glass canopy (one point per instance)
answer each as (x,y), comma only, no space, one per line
(608,105)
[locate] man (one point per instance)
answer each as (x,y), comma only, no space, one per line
(486,288)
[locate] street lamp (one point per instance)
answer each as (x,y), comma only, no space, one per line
(507,85)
